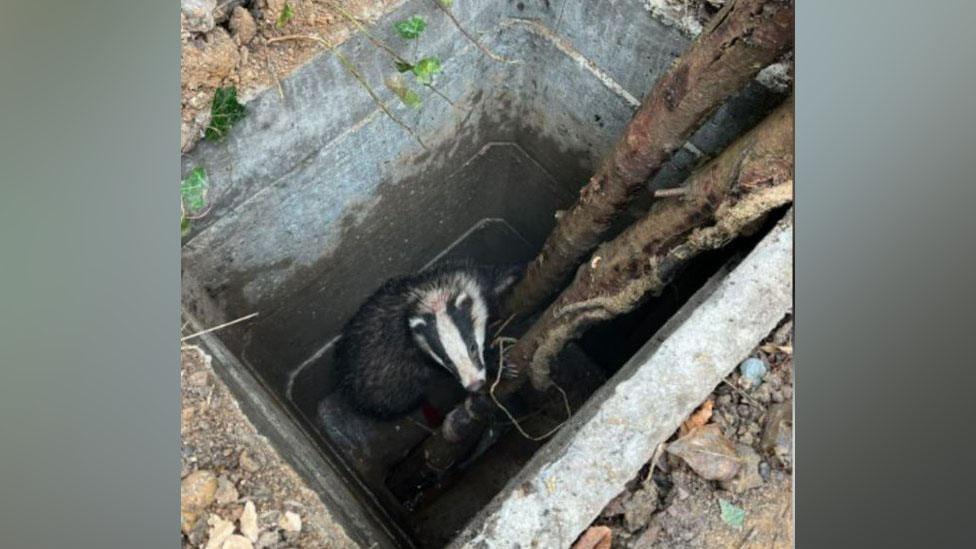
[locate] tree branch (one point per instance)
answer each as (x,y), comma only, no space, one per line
(741,39)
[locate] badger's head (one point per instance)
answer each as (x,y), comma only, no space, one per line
(449,323)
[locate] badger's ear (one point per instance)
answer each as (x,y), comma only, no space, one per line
(506,278)
(415,322)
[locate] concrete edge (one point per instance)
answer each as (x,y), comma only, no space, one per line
(571,479)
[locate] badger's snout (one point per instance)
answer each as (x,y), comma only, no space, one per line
(475,386)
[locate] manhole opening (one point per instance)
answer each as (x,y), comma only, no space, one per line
(317,202)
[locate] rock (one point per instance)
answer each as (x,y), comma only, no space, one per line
(197,378)
(752,370)
(290,522)
(648,537)
(638,509)
(249,521)
(220,530)
(208,64)
(777,437)
(616,505)
(242,25)
(748,476)
(708,453)
(225,9)
(595,537)
(226,492)
(267,539)
(199,15)
(197,491)
(248,463)
(237,542)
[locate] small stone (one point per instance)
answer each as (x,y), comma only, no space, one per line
(724,400)
(248,463)
(787,392)
(777,438)
(638,510)
(746,438)
(290,522)
(220,530)
(777,396)
(764,470)
(226,492)
(242,25)
(744,410)
(237,542)
(249,521)
(199,15)
(197,491)
(267,539)
(748,476)
(752,370)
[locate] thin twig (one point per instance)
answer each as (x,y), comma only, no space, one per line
(491,391)
(274,75)
(474,41)
(383,46)
(356,74)
(743,394)
(498,332)
(215,328)
(421,425)
(668,193)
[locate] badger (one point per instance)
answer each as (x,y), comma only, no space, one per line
(414,328)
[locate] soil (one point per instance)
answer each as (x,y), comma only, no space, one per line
(670,505)
(234,484)
(232,49)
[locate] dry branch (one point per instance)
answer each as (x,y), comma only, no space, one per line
(727,196)
(744,37)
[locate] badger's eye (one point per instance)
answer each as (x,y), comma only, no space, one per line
(473,348)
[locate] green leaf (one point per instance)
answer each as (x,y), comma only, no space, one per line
(426,68)
(225,111)
(408,96)
(193,190)
(286,15)
(410,29)
(403,66)
(733,515)
(447,3)
(184,226)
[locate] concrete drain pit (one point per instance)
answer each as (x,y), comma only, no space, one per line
(318,197)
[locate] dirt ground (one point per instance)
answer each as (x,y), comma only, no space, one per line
(674,506)
(236,492)
(230,47)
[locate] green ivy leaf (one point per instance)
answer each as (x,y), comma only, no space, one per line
(403,66)
(286,15)
(193,190)
(426,68)
(410,29)
(225,111)
(733,515)
(447,3)
(408,96)
(184,226)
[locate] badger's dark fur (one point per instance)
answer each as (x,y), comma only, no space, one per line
(389,352)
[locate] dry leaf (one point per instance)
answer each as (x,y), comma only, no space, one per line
(697,419)
(708,453)
(595,537)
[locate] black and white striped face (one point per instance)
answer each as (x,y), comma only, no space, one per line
(450,327)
